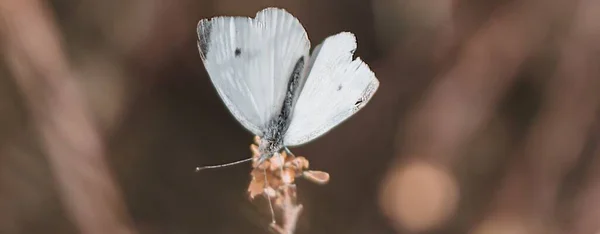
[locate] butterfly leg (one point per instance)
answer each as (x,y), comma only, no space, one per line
(256,140)
(287,150)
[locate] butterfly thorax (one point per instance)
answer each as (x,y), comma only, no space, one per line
(272,140)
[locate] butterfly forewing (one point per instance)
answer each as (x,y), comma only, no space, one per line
(249,61)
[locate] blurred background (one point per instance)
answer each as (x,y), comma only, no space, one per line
(486,120)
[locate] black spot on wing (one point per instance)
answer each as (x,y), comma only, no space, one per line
(237,52)
(204,30)
(339,88)
(358,102)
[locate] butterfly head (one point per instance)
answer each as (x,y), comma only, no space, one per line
(266,148)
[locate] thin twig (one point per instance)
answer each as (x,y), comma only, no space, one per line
(291,212)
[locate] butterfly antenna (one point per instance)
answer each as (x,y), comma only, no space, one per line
(223,165)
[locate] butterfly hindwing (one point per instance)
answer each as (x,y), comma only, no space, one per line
(337,86)
(249,61)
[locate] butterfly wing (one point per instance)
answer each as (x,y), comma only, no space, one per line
(336,87)
(249,61)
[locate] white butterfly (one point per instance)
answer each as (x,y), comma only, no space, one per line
(262,70)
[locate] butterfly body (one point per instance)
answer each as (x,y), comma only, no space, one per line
(273,137)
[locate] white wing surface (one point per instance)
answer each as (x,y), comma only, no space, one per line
(249,61)
(337,87)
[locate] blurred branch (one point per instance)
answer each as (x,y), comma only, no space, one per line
(73,146)
(556,140)
(464,98)
(460,102)
(586,209)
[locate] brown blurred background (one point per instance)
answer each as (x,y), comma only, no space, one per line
(486,120)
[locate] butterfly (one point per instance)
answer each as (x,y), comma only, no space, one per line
(262,70)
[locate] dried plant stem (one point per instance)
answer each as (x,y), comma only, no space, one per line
(291,212)
(71,141)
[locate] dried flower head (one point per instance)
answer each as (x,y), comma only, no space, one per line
(275,180)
